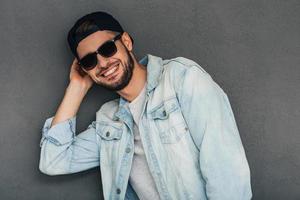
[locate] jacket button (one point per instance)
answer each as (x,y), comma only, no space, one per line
(118,190)
(128,150)
(107,134)
(164,113)
(186,128)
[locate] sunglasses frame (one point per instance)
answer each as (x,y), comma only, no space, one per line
(117,37)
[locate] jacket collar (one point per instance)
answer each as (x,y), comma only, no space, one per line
(154,65)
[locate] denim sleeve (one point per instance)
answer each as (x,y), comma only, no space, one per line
(64,152)
(207,111)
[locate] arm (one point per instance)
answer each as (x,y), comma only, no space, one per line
(63,152)
(209,116)
(78,87)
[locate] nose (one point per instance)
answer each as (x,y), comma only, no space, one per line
(102,61)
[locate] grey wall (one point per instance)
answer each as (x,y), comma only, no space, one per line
(251,48)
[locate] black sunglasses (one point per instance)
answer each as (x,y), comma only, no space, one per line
(107,49)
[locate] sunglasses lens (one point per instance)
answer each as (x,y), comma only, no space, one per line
(108,49)
(89,61)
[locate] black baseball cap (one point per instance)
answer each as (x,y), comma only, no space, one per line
(102,20)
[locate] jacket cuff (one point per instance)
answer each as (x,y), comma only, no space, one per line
(60,133)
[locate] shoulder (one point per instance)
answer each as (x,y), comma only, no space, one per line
(181,64)
(178,69)
(109,108)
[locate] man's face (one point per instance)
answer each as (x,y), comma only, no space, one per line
(115,72)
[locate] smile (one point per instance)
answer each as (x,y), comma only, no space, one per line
(112,70)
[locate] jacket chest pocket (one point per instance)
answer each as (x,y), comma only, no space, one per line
(110,135)
(109,131)
(169,122)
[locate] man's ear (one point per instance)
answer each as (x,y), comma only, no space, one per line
(127,41)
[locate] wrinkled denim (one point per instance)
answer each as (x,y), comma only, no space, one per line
(188,130)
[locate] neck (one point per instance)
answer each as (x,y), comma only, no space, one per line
(136,84)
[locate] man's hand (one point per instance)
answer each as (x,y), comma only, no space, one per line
(77,75)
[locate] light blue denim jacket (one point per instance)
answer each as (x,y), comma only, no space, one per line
(188,131)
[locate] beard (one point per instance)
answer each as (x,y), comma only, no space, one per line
(125,78)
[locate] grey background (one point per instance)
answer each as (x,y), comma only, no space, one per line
(251,49)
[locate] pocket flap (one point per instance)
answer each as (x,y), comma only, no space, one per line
(109,131)
(163,110)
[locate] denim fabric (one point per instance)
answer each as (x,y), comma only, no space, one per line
(189,133)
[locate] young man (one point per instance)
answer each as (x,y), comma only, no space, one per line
(171,134)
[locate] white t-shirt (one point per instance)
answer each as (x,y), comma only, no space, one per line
(140,177)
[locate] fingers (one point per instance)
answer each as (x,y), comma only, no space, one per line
(81,72)
(78,68)
(75,63)
(75,66)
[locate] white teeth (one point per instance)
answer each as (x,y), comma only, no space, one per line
(112,70)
